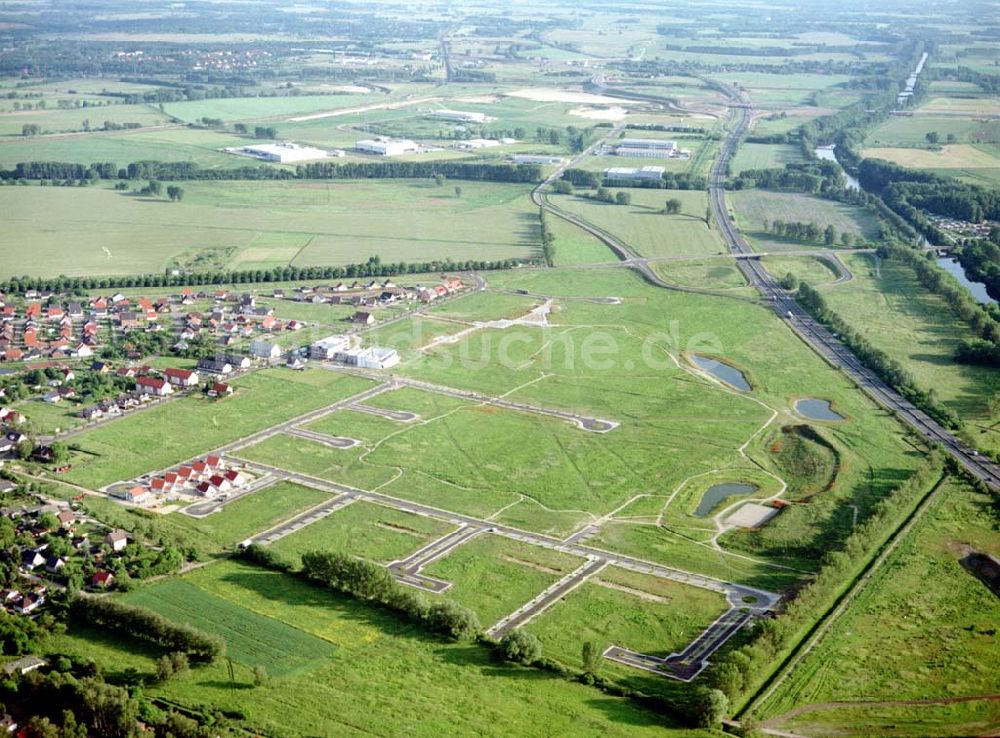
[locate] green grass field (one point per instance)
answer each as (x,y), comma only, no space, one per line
(916,328)
(364,529)
(197,145)
(624,608)
(643,225)
(262,225)
(809,269)
(79,119)
(922,629)
(764,156)
(181,429)
(716,274)
(753,207)
(495,575)
(353,667)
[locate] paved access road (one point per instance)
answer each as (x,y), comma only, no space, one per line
(547,598)
(754,599)
(690,662)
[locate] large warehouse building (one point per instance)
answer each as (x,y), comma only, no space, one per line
(387,146)
(459,116)
(283,152)
(631,174)
(646,148)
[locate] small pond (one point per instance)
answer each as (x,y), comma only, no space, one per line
(718,492)
(817,409)
(728,374)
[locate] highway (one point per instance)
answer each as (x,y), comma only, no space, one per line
(817,336)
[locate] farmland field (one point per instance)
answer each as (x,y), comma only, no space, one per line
(978,163)
(263,225)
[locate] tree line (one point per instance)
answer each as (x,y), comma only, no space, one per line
(374,267)
(146,625)
(669,180)
(185,170)
(548,239)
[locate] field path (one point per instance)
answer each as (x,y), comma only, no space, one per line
(833,705)
(362,109)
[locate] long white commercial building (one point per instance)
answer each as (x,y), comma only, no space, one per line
(387,146)
(283,152)
(459,116)
(632,174)
(536,159)
(646,148)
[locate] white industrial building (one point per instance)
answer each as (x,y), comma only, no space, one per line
(460,116)
(646,148)
(387,146)
(327,348)
(632,174)
(283,152)
(373,357)
(536,159)
(473,144)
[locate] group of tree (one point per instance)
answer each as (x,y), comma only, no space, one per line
(905,190)
(814,177)
(981,260)
(146,625)
(797,231)
(371,582)
(548,239)
(72,700)
(265,132)
(672,206)
(603,194)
